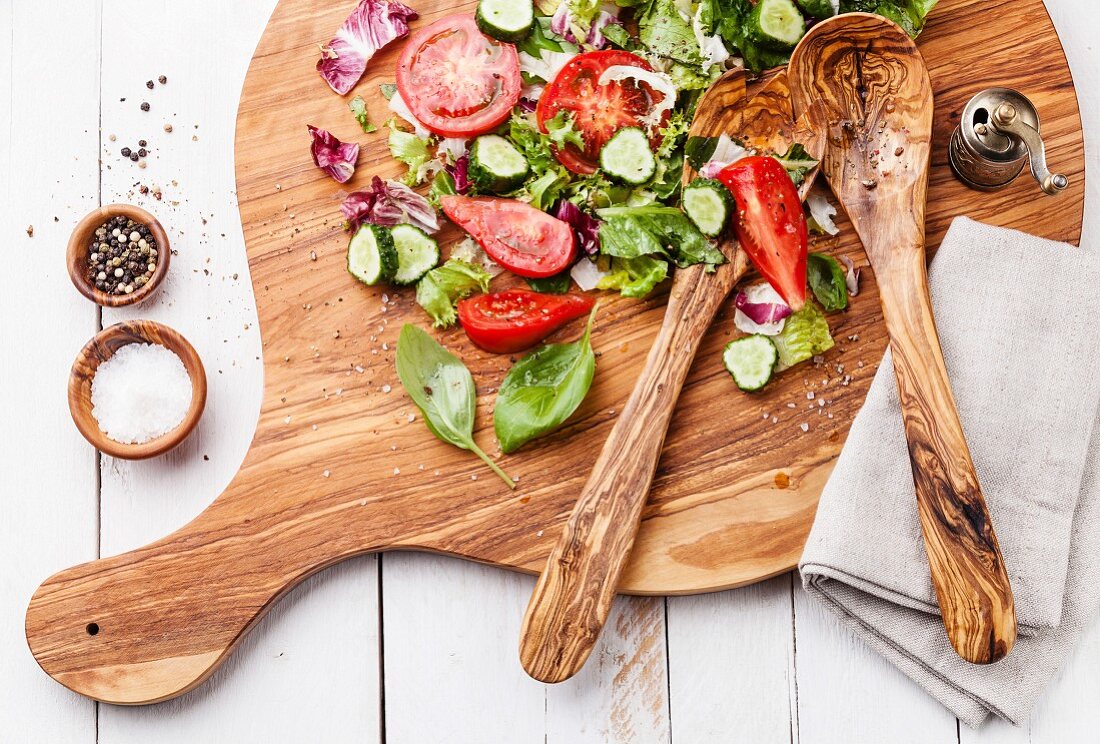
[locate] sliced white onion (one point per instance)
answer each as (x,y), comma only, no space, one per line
(822,212)
(399,107)
(760,294)
(725,153)
(546,66)
(452,147)
(469,251)
(851,279)
(712,47)
(659,81)
(586,274)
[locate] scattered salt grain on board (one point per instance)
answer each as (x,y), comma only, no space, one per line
(140,393)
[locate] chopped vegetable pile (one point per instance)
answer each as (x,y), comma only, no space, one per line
(555,134)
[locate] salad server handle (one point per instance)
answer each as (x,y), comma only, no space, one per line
(573,596)
(968,570)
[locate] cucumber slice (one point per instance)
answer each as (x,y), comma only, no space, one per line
(776,23)
(751,360)
(627,157)
(709,205)
(372,257)
(496,165)
(819,8)
(417,253)
(506,20)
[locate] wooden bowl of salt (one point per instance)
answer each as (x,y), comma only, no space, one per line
(147,400)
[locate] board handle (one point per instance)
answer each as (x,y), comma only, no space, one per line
(967,567)
(153,623)
(573,596)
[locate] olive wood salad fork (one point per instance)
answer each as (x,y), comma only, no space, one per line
(869,74)
(573,595)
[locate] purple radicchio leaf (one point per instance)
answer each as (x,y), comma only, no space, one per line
(585,226)
(388,203)
(561,23)
(761,313)
(851,279)
(372,25)
(527,105)
(595,32)
(460,172)
(334,157)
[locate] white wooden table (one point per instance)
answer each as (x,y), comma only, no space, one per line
(406,648)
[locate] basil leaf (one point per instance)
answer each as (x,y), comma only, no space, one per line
(443,389)
(797,162)
(557,284)
(828,281)
(543,389)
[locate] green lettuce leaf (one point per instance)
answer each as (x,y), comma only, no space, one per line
(909,14)
(654,230)
(359,110)
(442,287)
(667,33)
(410,150)
(561,131)
(805,335)
(828,281)
(634,277)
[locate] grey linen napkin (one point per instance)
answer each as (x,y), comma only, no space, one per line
(1019,321)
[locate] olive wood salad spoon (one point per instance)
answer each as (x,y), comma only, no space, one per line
(871,77)
(573,595)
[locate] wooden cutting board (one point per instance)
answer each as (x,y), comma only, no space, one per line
(342,464)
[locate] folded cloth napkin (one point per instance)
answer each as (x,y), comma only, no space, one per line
(1019,322)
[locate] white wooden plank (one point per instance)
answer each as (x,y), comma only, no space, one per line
(848,693)
(310,671)
(49,111)
(731,658)
(621,694)
(451,634)
(451,638)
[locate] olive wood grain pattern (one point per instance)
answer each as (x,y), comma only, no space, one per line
(573,595)
(874,82)
(101,348)
(734,494)
(76,254)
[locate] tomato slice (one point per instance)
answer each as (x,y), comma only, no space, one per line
(456,80)
(515,235)
(517,319)
(599,111)
(770,224)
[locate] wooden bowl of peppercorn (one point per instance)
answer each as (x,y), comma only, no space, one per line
(118,255)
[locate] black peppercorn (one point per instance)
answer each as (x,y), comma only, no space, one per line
(142,143)
(149,84)
(134,156)
(162,79)
(142,152)
(145,106)
(126,152)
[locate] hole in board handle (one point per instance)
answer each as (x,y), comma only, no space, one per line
(92,628)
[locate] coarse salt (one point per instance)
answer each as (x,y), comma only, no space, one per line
(142,392)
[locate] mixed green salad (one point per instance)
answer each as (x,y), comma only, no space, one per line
(555,134)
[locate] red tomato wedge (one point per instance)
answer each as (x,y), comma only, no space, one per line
(456,80)
(515,235)
(599,111)
(517,319)
(770,224)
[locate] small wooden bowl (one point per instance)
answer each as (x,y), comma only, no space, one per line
(77,254)
(101,348)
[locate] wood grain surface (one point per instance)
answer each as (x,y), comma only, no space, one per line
(575,589)
(734,493)
(869,74)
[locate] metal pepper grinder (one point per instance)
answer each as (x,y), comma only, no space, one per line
(998,135)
